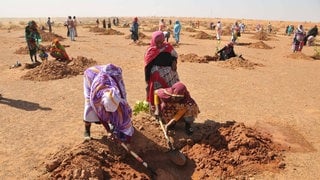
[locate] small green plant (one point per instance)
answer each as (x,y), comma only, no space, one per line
(140,106)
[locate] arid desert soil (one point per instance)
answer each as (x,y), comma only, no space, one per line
(259,112)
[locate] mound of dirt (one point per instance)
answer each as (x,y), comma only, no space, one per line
(97,30)
(48,37)
(299,55)
(22,50)
(112,32)
(51,70)
(25,50)
(316,57)
(151,29)
(141,36)
(215,150)
(202,35)
(261,35)
(195,58)
(236,62)
(260,45)
(189,29)
(227,31)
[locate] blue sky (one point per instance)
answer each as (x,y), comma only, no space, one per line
(287,10)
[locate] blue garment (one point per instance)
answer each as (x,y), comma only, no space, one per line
(135,31)
(176,31)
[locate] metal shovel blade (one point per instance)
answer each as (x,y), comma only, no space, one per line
(175,155)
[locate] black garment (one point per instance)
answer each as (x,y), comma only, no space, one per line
(134,31)
(313,32)
(104,24)
(163,59)
(226,53)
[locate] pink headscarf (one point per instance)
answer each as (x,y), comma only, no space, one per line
(177,90)
(153,51)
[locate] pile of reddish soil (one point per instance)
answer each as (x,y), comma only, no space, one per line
(316,57)
(48,37)
(189,29)
(195,58)
(202,35)
(299,55)
(25,50)
(261,35)
(237,62)
(22,50)
(152,29)
(50,70)
(97,30)
(260,45)
(215,150)
(227,31)
(112,32)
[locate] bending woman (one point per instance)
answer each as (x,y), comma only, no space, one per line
(106,103)
(58,51)
(175,103)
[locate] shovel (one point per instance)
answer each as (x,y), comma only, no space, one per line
(136,156)
(175,155)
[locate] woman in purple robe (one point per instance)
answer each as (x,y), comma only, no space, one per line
(106,103)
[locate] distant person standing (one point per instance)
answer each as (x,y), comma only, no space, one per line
(235,32)
(49,23)
(104,24)
(298,39)
(176,31)
(219,30)
(242,27)
(162,25)
(97,22)
(290,30)
(114,21)
(135,30)
(117,21)
(109,23)
(269,27)
(33,39)
(70,24)
(75,21)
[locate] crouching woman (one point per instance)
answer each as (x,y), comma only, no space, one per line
(175,103)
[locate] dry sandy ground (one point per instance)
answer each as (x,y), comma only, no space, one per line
(281,97)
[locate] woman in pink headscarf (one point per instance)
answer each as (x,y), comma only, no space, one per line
(160,66)
(175,103)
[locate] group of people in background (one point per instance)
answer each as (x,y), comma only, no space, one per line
(33,39)
(108,23)
(301,37)
(71,24)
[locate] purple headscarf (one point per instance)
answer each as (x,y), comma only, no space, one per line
(108,100)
